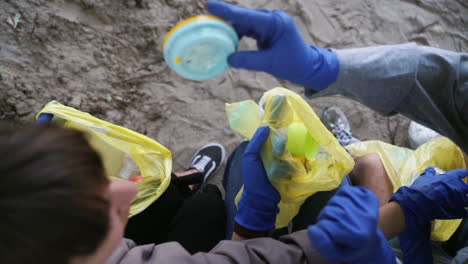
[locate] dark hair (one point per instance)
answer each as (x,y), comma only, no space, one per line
(52,202)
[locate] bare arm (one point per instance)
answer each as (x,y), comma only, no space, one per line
(391,220)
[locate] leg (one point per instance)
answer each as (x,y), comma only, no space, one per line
(205,162)
(201,221)
(191,178)
(232,182)
(369,172)
(150,226)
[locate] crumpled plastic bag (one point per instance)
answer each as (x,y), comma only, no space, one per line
(296,178)
(125,153)
(403,166)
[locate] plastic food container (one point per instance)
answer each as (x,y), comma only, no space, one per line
(197,48)
(300,142)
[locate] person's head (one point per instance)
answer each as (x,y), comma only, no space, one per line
(56,204)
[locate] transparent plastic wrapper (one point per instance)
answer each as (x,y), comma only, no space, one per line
(320,167)
(125,153)
(403,166)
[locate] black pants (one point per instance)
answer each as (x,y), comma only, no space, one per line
(197,220)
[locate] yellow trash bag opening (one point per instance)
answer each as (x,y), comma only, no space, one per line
(301,157)
(125,153)
(403,166)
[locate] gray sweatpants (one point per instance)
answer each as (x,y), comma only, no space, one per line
(428,85)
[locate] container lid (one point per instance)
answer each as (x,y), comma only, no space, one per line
(197,48)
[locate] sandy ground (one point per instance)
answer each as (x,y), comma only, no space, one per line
(105,57)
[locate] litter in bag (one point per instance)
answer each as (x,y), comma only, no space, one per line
(311,160)
(403,167)
(125,153)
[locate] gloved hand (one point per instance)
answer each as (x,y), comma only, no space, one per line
(430,197)
(282,51)
(258,205)
(347,229)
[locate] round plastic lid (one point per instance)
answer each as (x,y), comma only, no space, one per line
(197,48)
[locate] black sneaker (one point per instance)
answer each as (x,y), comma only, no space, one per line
(208,159)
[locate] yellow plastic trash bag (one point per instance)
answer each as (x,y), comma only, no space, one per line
(296,177)
(404,166)
(125,153)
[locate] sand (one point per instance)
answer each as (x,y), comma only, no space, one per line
(105,57)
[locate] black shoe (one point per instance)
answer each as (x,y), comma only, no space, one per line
(208,159)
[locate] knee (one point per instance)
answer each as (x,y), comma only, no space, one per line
(366,166)
(368,161)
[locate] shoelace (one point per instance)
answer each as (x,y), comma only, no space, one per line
(202,163)
(342,134)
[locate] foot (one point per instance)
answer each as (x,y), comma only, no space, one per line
(335,120)
(419,134)
(208,159)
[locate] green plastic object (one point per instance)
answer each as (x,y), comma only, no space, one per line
(300,142)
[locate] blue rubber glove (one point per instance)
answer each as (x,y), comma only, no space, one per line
(258,205)
(347,229)
(282,51)
(430,197)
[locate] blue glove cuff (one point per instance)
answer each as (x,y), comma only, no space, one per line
(416,245)
(324,69)
(382,253)
(413,210)
(385,252)
(415,239)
